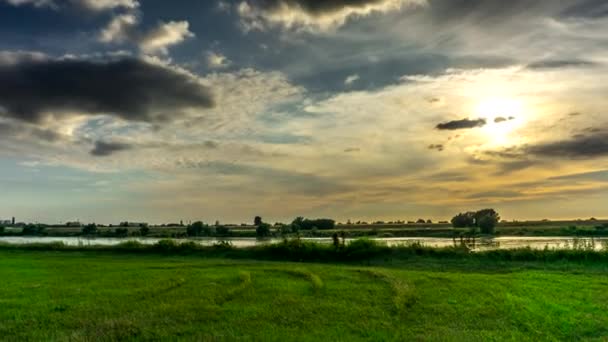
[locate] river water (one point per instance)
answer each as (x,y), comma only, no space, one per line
(504,242)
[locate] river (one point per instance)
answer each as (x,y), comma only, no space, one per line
(504,242)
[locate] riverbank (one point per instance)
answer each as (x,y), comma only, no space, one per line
(588,251)
(55,295)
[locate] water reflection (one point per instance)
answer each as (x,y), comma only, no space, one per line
(479,244)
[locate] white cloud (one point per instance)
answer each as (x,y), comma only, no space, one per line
(123,29)
(296,15)
(351,79)
(165,35)
(217,60)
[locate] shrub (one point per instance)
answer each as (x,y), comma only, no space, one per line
(144,230)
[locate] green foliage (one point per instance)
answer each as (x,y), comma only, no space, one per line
(144,230)
(262,230)
(33,229)
(485,219)
(198,229)
(300,223)
(487,224)
(464,220)
(121,232)
(89,229)
(2,229)
(222,231)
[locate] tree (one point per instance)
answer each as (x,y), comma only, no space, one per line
(121,232)
(486,212)
(263,230)
(486,220)
(222,231)
(464,220)
(257,221)
(144,230)
(487,224)
(89,229)
(196,229)
(421,221)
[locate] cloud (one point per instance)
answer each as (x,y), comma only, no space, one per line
(123,29)
(104,149)
(436,147)
(351,79)
(129,88)
(503,119)
(581,146)
(461,124)
(91,5)
(560,63)
(217,60)
(26,131)
(165,35)
(312,14)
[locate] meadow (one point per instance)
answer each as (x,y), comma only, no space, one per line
(112,295)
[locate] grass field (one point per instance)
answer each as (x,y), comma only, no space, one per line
(111,296)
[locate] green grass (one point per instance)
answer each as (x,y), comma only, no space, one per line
(93,295)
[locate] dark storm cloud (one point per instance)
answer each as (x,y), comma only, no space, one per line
(587,9)
(104,149)
(558,64)
(14,129)
(461,124)
(580,146)
(129,88)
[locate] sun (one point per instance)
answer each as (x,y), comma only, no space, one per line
(503,116)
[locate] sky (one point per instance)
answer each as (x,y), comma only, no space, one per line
(159,111)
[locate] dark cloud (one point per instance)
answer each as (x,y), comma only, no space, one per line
(580,146)
(352,149)
(506,194)
(587,9)
(437,147)
(104,149)
(19,130)
(502,119)
(461,124)
(129,88)
(560,63)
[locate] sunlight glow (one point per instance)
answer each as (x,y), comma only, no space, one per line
(503,115)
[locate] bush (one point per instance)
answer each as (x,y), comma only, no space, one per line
(263,230)
(2,229)
(144,230)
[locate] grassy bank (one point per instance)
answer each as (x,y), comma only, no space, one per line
(54,295)
(354,251)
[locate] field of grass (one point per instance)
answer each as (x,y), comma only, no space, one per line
(80,295)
